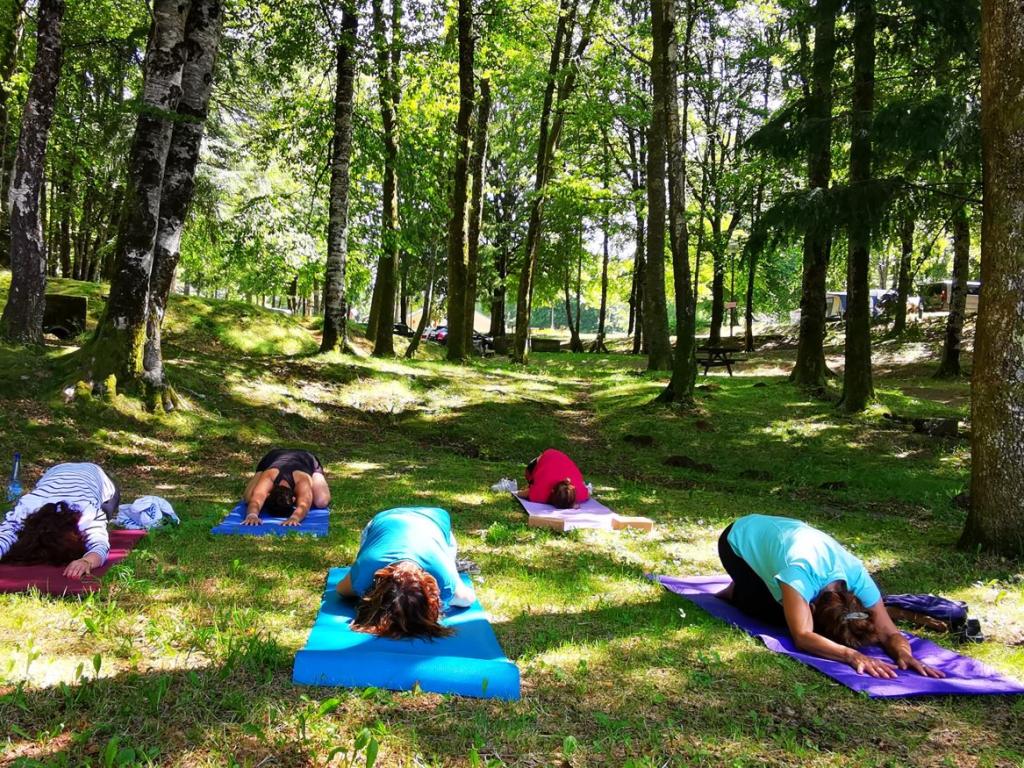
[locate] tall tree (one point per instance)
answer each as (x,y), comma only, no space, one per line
(907,226)
(335,296)
(949,366)
(655,305)
(458,239)
(118,343)
(563,71)
(389,85)
(684,362)
(202,40)
(858,388)
(810,370)
(22,318)
(477,170)
(12,27)
(996,518)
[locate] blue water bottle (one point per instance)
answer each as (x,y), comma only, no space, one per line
(14,484)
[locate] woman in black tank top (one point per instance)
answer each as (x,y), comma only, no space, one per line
(288,482)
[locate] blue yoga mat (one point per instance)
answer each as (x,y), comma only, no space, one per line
(315,524)
(963,675)
(469,663)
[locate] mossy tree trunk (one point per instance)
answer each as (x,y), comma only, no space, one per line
(858,388)
(458,237)
(949,366)
(810,370)
(996,518)
(202,40)
(22,319)
(118,343)
(335,296)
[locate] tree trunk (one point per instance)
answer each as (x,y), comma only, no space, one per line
(575,345)
(684,363)
(996,518)
(899,323)
(655,305)
(458,238)
(335,292)
(202,39)
(478,169)
(717,280)
(858,389)
(640,279)
(949,367)
(10,44)
(499,291)
(556,95)
(810,370)
(428,301)
(118,344)
(388,62)
(599,345)
(22,319)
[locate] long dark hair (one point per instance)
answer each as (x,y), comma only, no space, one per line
(563,495)
(841,617)
(404,601)
(49,536)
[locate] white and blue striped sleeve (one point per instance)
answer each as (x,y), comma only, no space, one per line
(93,525)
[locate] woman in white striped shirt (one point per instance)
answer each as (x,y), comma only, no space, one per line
(63,521)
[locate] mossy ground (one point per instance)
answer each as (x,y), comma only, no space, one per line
(184,657)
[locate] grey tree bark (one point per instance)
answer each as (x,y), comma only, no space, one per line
(22,319)
(858,387)
(335,296)
(477,170)
(118,343)
(12,28)
(202,40)
(949,366)
(996,518)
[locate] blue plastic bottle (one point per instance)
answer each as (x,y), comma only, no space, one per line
(14,484)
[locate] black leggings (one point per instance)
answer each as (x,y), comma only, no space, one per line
(750,594)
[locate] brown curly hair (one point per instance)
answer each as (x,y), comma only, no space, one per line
(563,495)
(404,601)
(49,536)
(837,616)
(280,501)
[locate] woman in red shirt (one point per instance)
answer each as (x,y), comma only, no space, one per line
(553,478)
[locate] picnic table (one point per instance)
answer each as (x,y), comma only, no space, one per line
(713,356)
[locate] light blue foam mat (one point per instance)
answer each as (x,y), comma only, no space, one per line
(468,663)
(315,524)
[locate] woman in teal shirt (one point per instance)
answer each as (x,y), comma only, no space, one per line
(786,572)
(405,574)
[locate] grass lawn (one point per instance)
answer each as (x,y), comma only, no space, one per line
(184,657)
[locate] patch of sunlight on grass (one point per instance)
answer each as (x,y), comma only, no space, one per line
(354,469)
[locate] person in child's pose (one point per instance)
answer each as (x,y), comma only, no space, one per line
(405,574)
(288,483)
(63,521)
(787,573)
(553,478)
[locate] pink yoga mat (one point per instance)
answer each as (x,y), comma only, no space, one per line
(49,578)
(590,514)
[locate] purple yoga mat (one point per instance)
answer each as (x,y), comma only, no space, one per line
(963,675)
(590,514)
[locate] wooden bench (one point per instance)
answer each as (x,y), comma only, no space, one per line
(715,356)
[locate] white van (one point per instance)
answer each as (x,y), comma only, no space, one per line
(936,296)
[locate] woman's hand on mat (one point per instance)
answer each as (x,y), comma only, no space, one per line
(253,518)
(78,568)
(906,660)
(869,666)
(291,521)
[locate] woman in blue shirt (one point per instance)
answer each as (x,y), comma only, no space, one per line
(405,574)
(786,572)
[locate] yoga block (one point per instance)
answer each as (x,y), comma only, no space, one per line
(469,663)
(640,523)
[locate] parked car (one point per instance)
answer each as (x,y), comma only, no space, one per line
(936,295)
(482,344)
(404,330)
(438,334)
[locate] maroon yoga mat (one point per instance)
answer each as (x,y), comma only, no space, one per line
(50,579)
